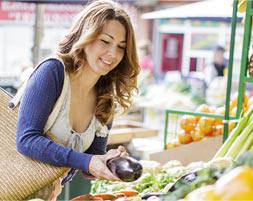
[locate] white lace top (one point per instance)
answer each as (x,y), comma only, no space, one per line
(63,134)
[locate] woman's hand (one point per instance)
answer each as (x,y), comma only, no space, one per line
(98,168)
(122,150)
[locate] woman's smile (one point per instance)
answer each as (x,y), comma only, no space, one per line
(106,62)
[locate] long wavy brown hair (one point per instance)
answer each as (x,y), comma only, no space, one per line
(117,86)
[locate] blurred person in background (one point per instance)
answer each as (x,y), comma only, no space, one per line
(146,62)
(218,65)
(146,77)
(99,56)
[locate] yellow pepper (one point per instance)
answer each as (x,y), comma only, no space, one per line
(205,193)
(235,185)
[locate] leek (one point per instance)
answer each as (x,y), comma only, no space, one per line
(246,146)
(251,148)
(234,134)
(235,148)
(231,138)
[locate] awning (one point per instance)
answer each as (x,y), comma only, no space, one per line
(215,9)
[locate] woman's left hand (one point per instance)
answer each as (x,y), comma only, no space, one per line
(98,167)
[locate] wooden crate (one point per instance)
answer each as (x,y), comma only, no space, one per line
(203,150)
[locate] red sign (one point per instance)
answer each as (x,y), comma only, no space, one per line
(18,12)
(25,12)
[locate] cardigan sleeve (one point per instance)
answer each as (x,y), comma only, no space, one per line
(99,144)
(42,91)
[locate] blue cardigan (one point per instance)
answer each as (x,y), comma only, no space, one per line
(42,91)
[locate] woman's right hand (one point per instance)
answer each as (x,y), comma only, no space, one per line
(98,168)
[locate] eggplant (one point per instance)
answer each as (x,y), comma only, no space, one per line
(186,179)
(126,169)
(156,194)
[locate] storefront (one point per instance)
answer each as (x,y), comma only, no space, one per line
(184,37)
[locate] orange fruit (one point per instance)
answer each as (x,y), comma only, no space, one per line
(220,111)
(203,108)
(231,126)
(206,125)
(206,109)
(197,135)
(188,123)
(245,109)
(218,130)
(233,102)
(218,121)
(184,138)
(233,111)
(245,100)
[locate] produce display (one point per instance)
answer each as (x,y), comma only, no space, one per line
(228,176)
(219,179)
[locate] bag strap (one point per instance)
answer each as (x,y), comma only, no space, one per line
(52,117)
(14,102)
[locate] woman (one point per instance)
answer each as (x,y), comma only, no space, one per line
(99,58)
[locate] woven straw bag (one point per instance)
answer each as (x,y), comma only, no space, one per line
(20,176)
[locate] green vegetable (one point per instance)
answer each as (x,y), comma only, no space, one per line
(192,181)
(246,146)
(233,136)
(235,148)
(99,186)
(147,184)
(165,179)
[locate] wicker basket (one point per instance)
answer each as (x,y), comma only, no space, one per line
(20,175)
